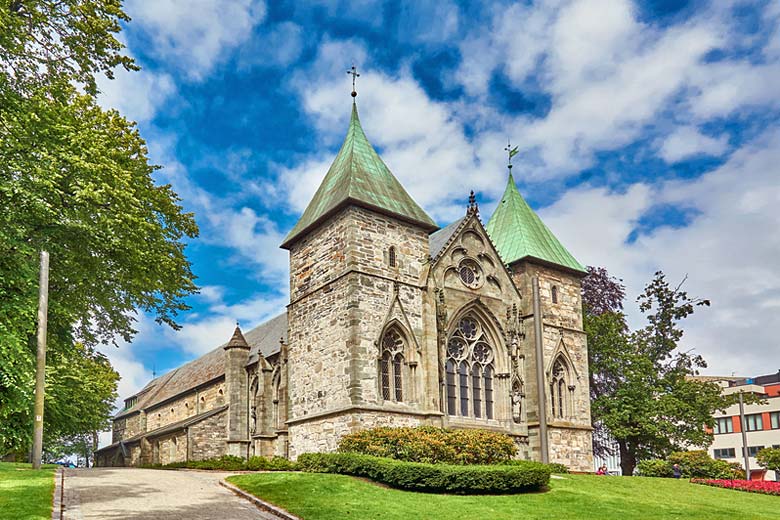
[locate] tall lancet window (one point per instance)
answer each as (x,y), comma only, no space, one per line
(470,371)
(559,388)
(391,365)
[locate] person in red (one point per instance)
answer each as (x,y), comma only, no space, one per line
(602,470)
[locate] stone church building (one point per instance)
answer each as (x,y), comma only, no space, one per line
(392,321)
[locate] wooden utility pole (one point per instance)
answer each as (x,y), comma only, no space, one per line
(40,371)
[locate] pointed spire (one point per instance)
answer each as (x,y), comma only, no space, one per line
(518,232)
(237,340)
(359,176)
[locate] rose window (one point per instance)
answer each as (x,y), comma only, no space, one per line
(470,274)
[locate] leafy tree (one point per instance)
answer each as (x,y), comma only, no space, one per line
(642,389)
(75,180)
(769,458)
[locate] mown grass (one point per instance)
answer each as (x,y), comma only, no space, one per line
(25,494)
(315,496)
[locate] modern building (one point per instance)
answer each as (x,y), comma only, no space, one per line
(761,424)
(392,321)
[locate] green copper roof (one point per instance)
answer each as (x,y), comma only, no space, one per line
(518,233)
(359,176)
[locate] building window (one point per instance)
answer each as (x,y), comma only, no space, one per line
(754,422)
(725,453)
(470,274)
(559,388)
(774,420)
(753,450)
(554,293)
(723,425)
(391,366)
(470,371)
(391,256)
(130,402)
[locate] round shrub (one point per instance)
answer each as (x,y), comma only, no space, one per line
(518,477)
(429,444)
(654,468)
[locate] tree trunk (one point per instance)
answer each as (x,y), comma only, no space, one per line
(627,458)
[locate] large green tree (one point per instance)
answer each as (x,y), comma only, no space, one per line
(75,180)
(641,385)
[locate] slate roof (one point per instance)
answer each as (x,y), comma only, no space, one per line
(265,339)
(439,239)
(359,176)
(518,232)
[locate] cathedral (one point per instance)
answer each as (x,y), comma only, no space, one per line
(392,321)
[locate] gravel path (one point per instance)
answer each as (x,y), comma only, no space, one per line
(135,494)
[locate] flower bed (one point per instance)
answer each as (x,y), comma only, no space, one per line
(765,487)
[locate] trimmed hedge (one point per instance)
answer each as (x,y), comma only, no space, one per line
(518,477)
(232,463)
(431,445)
(693,464)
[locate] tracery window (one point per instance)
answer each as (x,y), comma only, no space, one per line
(559,389)
(470,274)
(469,371)
(391,366)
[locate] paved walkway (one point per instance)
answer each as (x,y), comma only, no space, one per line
(141,494)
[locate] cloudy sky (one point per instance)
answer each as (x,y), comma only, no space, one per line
(648,135)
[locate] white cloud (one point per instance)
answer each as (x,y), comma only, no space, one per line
(285,39)
(137,95)
(729,251)
(194,35)
(200,335)
(688,141)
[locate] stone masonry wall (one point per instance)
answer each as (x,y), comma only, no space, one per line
(568,437)
(323,435)
(208,437)
(187,405)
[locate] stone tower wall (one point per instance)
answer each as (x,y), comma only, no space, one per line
(569,438)
(343,291)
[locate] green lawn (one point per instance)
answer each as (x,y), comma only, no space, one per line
(314,496)
(25,494)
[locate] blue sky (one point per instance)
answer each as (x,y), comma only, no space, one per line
(648,134)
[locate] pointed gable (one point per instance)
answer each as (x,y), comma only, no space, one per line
(518,232)
(359,176)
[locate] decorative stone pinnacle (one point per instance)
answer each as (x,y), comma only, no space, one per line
(472,207)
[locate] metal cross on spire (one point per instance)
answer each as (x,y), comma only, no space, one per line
(512,152)
(355,75)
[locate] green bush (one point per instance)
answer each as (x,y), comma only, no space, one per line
(231,463)
(698,464)
(431,445)
(520,476)
(769,458)
(655,468)
(557,467)
(693,464)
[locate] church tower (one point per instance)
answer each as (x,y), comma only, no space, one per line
(549,278)
(357,256)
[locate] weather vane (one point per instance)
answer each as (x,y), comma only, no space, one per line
(512,152)
(355,75)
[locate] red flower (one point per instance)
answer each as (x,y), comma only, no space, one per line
(753,486)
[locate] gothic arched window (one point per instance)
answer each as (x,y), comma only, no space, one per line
(559,388)
(391,256)
(554,293)
(470,371)
(391,364)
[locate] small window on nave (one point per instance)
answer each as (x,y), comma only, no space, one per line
(554,293)
(391,256)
